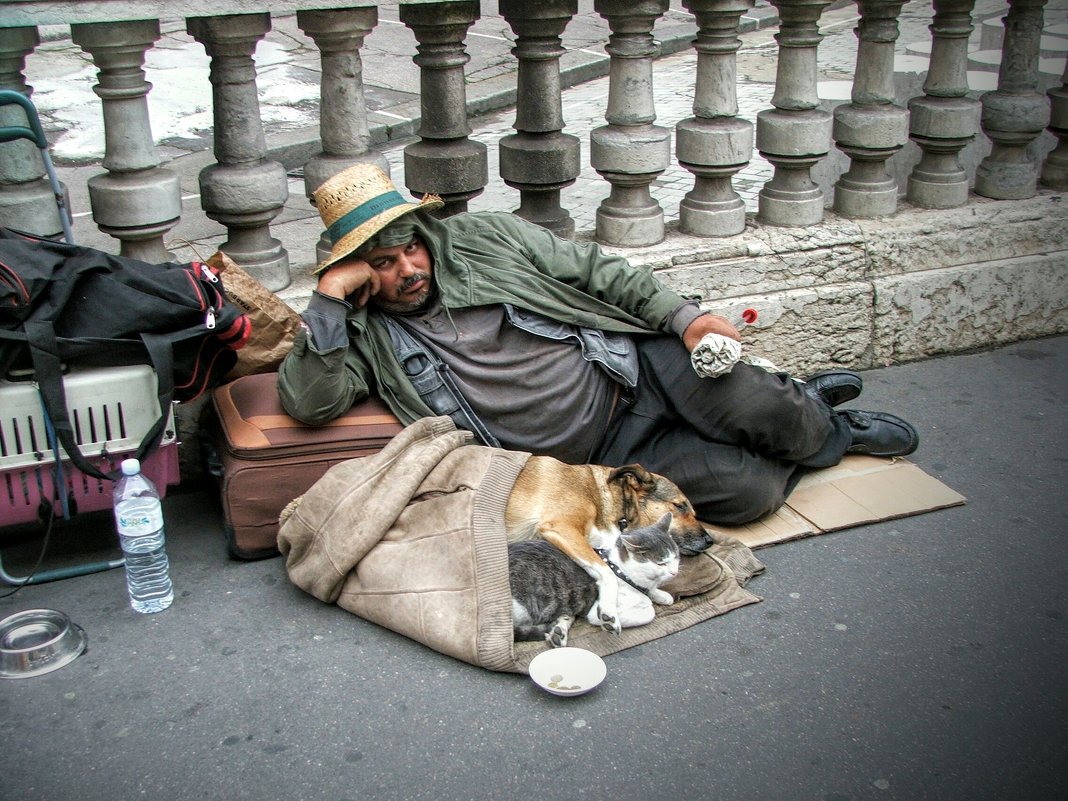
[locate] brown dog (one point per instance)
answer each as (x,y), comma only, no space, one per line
(576,507)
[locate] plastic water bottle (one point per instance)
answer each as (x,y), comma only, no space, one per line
(139,520)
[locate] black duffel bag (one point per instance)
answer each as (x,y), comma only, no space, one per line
(63,304)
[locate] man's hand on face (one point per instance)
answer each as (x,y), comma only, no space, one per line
(352,279)
(707,324)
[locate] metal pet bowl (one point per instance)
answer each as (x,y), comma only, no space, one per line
(38,641)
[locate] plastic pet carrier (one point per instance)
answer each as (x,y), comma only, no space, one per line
(111,409)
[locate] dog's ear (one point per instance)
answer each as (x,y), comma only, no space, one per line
(634,476)
(634,482)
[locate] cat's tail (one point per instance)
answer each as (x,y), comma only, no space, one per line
(554,633)
(533,632)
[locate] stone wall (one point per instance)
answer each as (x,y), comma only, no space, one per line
(869,293)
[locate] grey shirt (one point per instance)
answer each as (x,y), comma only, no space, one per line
(532,393)
(519,399)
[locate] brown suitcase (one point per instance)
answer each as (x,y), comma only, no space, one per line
(265,458)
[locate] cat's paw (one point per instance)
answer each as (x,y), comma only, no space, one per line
(658,596)
(557,635)
(610,622)
(598,617)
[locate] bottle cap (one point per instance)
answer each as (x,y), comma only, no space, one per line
(130,467)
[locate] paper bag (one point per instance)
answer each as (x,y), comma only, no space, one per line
(274,323)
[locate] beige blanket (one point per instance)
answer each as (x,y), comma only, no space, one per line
(412,538)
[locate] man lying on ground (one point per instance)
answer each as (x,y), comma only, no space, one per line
(541,344)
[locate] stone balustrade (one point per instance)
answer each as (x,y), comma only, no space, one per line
(715,143)
(1015,113)
(135,200)
(944,119)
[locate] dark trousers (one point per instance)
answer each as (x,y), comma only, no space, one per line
(736,444)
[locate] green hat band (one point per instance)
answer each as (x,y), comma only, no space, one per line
(362,213)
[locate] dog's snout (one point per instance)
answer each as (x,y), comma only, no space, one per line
(694,542)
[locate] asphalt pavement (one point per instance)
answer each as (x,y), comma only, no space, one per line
(918,658)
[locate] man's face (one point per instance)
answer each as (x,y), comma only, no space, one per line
(405,274)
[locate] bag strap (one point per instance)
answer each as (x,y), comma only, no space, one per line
(48,373)
(161,353)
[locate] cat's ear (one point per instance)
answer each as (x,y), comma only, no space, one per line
(664,523)
(630,542)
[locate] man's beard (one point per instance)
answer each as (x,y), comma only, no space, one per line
(421,300)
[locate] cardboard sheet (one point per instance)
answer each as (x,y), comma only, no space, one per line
(859,490)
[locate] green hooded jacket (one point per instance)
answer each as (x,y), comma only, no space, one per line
(479,258)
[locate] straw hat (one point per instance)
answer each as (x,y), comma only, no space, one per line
(356,204)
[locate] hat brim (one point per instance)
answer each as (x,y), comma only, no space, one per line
(361,233)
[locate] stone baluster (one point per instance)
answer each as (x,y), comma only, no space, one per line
(540,160)
(871,127)
(27,202)
(136,201)
(244,190)
(795,134)
(944,120)
(446,161)
(1015,113)
(630,152)
(343,129)
(1055,168)
(715,143)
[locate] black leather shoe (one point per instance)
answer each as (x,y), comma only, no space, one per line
(834,387)
(880,434)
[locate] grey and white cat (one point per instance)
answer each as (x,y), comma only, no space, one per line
(550,591)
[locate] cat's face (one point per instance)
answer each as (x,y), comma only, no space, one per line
(652,553)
